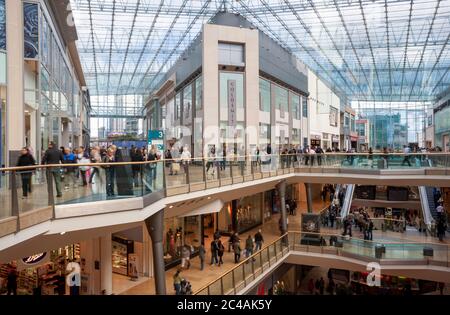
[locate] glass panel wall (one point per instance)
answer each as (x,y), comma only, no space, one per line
(295,104)
(264,95)
(305,106)
(281,98)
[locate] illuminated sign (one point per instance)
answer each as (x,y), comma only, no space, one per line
(34,259)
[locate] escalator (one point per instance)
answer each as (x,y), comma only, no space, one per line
(429,213)
(345,209)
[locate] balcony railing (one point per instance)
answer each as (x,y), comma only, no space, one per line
(123,180)
(248,271)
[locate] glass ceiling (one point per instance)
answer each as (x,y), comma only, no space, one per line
(378,50)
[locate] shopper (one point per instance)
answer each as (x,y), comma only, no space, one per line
(249,246)
(136,156)
(311,286)
(96,158)
(237,251)
(82,159)
(54,156)
(201,255)
(331,286)
(220,251)
(109,172)
(214,252)
(321,286)
(186,257)
(25,159)
(69,175)
(258,240)
(406,152)
(177,282)
(216,235)
(231,241)
(12,281)
(186,159)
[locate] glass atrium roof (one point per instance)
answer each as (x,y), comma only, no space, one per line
(382,50)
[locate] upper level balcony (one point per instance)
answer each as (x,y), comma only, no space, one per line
(57,204)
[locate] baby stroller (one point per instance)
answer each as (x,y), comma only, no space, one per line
(186,288)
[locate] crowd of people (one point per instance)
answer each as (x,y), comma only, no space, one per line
(75,171)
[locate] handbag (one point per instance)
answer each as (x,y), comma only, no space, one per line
(175,167)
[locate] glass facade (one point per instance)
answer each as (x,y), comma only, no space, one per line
(264,95)
(305,106)
(393,124)
(295,105)
(31,30)
(442,127)
(198,93)
(281,98)
(187,104)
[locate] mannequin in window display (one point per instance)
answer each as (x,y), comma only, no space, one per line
(172,245)
(169,236)
(178,241)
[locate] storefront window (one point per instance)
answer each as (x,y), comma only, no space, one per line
(198,137)
(187,104)
(264,134)
(305,106)
(198,93)
(248,213)
(264,95)
(281,98)
(177,106)
(295,104)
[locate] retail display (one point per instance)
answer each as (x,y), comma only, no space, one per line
(120,250)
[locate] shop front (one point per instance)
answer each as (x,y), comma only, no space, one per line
(241,215)
(42,273)
(184,231)
(335,141)
(315,140)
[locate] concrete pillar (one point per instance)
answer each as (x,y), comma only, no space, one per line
(15,120)
(106,264)
(155,226)
(281,186)
(309,202)
(147,253)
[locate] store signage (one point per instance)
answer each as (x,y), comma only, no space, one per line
(335,138)
(73,279)
(156,138)
(231,103)
(34,259)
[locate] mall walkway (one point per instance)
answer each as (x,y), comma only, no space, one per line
(270,232)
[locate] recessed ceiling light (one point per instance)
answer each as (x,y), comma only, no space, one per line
(62,233)
(209,198)
(170,207)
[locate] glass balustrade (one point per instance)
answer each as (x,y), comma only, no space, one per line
(71,184)
(249,269)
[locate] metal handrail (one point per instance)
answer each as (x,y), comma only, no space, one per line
(373,243)
(241,263)
(234,157)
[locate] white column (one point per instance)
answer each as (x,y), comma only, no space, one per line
(147,253)
(15,129)
(106,264)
